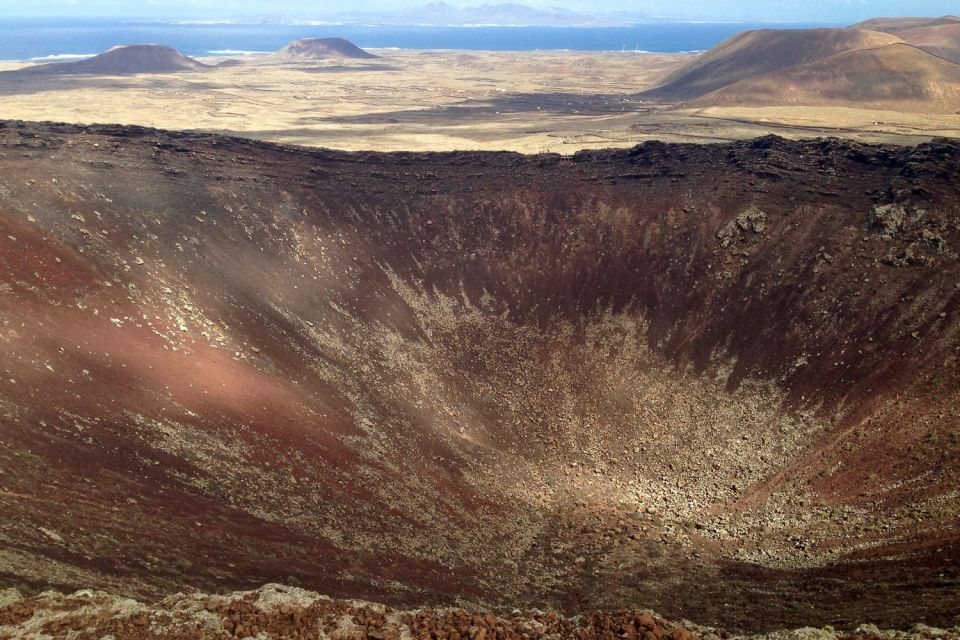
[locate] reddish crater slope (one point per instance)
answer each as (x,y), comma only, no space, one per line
(720,382)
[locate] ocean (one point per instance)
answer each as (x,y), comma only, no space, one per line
(54,39)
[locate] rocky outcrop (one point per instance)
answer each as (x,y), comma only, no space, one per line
(278,612)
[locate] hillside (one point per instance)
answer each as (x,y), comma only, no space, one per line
(939,36)
(313,49)
(941,40)
(715,381)
(753,53)
(122,60)
(897,77)
(896,25)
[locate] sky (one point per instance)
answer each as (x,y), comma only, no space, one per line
(741,10)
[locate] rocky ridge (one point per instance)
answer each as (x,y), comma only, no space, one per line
(276,612)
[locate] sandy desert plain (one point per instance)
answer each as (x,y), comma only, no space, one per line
(530,102)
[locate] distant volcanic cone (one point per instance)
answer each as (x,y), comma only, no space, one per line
(311,49)
(122,60)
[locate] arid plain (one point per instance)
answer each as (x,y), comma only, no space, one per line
(530,102)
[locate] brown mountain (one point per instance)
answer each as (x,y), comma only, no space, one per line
(941,40)
(822,67)
(753,53)
(718,381)
(898,77)
(896,25)
(313,49)
(122,60)
(939,36)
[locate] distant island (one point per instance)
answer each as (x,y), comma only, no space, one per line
(442,14)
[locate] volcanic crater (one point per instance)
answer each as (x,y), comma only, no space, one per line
(716,381)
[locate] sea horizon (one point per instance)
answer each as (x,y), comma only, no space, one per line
(36,39)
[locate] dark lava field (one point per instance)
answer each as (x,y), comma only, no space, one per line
(719,382)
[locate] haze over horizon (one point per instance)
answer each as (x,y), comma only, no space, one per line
(826,11)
